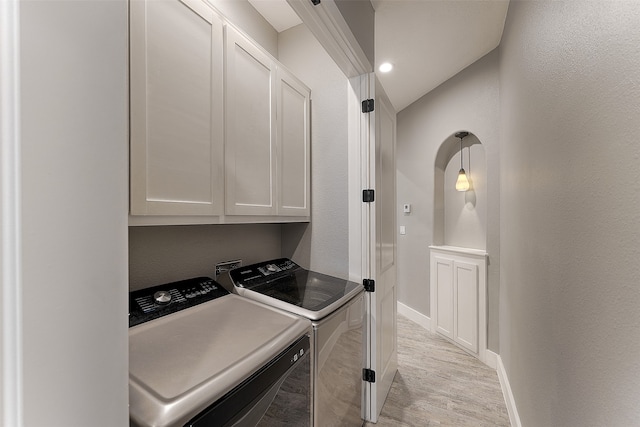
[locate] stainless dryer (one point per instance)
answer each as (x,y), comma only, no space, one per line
(200,356)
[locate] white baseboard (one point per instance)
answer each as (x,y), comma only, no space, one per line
(508,394)
(414,316)
(491,359)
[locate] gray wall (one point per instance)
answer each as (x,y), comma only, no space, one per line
(74,213)
(570,231)
(164,254)
(322,245)
(469,101)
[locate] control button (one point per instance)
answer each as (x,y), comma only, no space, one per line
(272,268)
(162,297)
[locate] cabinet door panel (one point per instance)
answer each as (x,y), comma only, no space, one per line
(293,147)
(444,296)
(250,160)
(176,108)
(466,300)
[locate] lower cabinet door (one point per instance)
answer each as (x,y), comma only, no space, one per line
(456,293)
(444,296)
(465,279)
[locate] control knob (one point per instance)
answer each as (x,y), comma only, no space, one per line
(162,297)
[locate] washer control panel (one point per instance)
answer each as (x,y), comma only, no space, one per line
(152,303)
(259,273)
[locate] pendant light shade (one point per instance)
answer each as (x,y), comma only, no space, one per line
(462,183)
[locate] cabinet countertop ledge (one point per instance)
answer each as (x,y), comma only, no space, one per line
(459,250)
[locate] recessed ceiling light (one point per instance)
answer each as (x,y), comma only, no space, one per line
(385,67)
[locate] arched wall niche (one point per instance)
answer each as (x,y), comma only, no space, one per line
(460,218)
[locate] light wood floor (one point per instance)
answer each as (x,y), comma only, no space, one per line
(437,384)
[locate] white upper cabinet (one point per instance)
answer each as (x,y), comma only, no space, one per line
(250,125)
(267,134)
(219,129)
(176,108)
(293,146)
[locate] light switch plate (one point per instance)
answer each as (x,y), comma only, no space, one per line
(403,230)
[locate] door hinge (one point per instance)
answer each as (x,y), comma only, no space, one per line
(369,285)
(368,105)
(315,2)
(369,375)
(368,196)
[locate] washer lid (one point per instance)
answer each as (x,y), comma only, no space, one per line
(181,363)
(282,283)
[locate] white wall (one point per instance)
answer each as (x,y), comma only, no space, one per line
(74,213)
(469,101)
(570,231)
(323,245)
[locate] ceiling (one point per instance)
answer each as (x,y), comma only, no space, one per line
(278,13)
(427,41)
(430,41)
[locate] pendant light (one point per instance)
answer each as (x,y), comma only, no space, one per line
(462,184)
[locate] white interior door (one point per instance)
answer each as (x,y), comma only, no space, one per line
(382,336)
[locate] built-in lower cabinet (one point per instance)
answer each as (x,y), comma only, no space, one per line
(458,297)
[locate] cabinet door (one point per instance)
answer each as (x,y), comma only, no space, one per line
(465,278)
(444,296)
(250,160)
(176,108)
(293,145)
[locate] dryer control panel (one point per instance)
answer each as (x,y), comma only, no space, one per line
(152,303)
